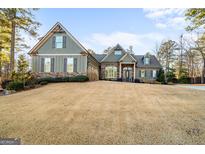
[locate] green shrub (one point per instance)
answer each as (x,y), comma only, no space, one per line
(43,83)
(53,80)
(160,76)
(5,83)
(184,80)
(79,78)
(15,85)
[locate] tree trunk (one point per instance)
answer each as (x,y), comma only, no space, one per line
(0,64)
(13,33)
(166,70)
(203,71)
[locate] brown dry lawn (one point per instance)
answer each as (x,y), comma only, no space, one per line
(104,112)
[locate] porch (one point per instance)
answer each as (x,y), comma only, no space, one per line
(127,71)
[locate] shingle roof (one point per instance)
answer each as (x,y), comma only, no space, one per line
(110,57)
(154,63)
(99,57)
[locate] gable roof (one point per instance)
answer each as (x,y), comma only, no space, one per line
(139,59)
(99,57)
(57,26)
(110,58)
(127,54)
(154,63)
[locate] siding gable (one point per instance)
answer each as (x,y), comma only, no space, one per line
(111,57)
(46,44)
(127,58)
(69,46)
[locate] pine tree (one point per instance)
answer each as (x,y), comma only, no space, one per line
(4,42)
(22,65)
(19,20)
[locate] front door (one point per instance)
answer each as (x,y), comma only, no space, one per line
(127,74)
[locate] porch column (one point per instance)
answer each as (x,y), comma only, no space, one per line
(120,71)
(134,71)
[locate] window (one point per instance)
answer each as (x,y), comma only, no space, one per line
(142,73)
(110,72)
(146,61)
(70,64)
(47,65)
(117,52)
(59,41)
(154,73)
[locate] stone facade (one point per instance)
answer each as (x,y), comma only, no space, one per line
(102,69)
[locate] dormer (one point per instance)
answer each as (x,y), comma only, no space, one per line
(147,58)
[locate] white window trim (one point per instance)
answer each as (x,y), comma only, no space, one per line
(154,75)
(147,61)
(59,42)
(49,66)
(142,76)
(112,74)
(118,52)
(72,65)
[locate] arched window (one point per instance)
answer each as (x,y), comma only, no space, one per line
(110,72)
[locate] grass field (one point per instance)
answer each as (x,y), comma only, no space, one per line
(104,112)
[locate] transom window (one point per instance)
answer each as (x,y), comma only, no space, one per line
(70,64)
(59,41)
(142,73)
(110,72)
(118,52)
(47,65)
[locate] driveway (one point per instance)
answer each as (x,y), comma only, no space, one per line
(104,112)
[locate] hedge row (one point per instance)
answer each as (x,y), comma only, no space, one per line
(79,78)
(17,85)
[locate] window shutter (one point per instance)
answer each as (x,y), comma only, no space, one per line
(64,41)
(151,73)
(140,73)
(54,42)
(75,64)
(52,64)
(65,65)
(42,64)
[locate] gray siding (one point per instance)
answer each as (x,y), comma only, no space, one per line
(148,73)
(128,58)
(59,63)
(71,46)
(113,58)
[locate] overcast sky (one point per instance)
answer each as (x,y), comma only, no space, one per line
(98,29)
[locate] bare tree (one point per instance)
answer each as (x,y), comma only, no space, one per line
(166,52)
(200,48)
(107,50)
